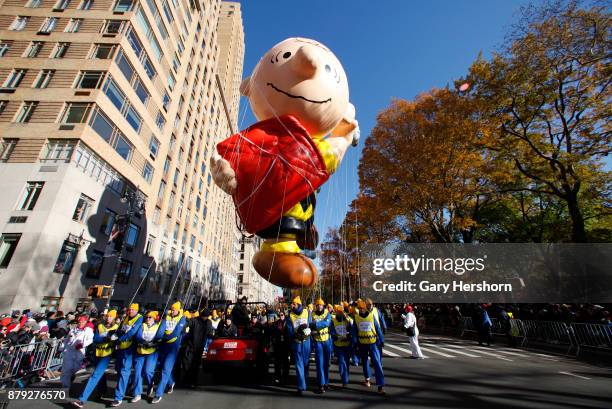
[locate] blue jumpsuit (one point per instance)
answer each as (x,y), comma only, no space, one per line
(367,351)
(322,345)
(125,355)
(146,357)
(343,348)
(168,350)
(104,353)
(300,348)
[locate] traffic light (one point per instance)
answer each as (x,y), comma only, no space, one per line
(99,291)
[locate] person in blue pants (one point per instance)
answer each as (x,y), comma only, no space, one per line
(299,334)
(125,351)
(321,320)
(146,353)
(340,332)
(369,337)
(174,323)
(104,353)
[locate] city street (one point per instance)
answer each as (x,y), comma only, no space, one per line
(456,373)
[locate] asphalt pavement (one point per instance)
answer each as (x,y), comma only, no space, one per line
(456,373)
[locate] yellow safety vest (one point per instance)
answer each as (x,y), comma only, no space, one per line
(148,333)
(171,323)
(342,329)
(297,320)
(126,325)
(105,348)
(321,335)
(366,331)
(215,323)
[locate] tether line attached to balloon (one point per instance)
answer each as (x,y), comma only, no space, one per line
(141,281)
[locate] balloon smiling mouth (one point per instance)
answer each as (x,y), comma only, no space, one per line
(298,96)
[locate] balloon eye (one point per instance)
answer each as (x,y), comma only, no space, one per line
(287,55)
(327,68)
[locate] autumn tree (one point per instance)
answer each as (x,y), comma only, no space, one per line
(548,94)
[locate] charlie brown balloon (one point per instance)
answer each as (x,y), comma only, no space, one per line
(299,93)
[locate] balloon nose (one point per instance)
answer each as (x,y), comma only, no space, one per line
(305,62)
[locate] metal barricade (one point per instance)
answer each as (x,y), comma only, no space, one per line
(592,336)
(548,332)
(20,360)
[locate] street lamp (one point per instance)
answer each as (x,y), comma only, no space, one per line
(135,201)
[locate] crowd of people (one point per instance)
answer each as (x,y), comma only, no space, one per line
(153,351)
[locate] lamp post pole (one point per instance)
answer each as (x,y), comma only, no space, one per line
(135,203)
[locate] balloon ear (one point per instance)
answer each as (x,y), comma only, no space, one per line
(245,86)
(347,124)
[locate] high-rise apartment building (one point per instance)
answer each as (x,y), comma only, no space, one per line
(100,98)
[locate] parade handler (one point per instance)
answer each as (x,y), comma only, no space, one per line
(321,321)
(299,93)
(104,353)
(146,353)
(174,324)
(126,350)
(368,334)
(299,333)
(340,331)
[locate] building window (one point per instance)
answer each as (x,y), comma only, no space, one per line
(73,25)
(4,47)
(34,49)
(131,237)
(61,5)
(161,191)
(141,90)
(6,148)
(30,195)
(111,134)
(8,244)
(141,53)
(160,121)
(149,246)
(43,78)
(48,25)
(86,4)
(113,26)
(66,257)
(60,50)
(94,264)
(58,150)
(125,271)
(83,208)
(14,79)
(76,113)
(156,215)
(123,5)
(19,23)
(103,51)
(34,3)
(154,146)
(25,113)
(108,221)
(147,172)
(90,79)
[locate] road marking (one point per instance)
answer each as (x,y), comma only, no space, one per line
(479,351)
(530,355)
(454,351)
(391,354)
(401,349)
(574,375)
(436,352)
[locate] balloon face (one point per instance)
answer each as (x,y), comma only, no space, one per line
(303,78)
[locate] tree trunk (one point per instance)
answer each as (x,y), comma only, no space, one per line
(578,231)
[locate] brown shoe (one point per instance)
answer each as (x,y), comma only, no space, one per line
(288,270)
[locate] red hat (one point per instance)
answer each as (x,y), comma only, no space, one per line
(409,308)
(83,318)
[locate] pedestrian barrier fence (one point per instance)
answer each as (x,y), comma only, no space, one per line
(42,358)
(574,337)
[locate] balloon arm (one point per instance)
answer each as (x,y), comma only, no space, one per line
(339,144)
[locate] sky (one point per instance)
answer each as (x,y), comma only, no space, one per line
(388,48)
